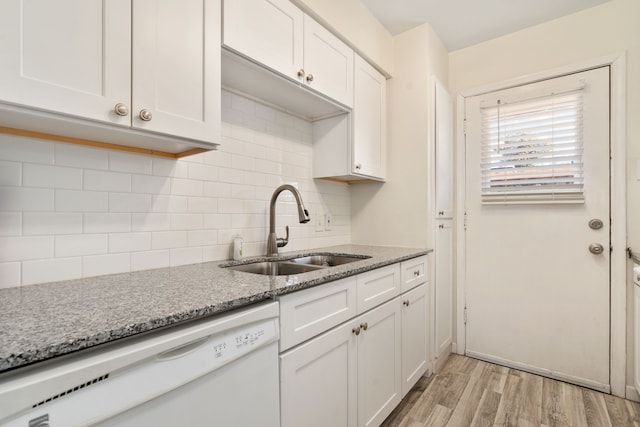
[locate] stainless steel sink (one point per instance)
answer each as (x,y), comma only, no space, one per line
(328,260)
(275,268)
(298,265)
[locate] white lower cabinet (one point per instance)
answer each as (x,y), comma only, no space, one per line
(415,336)
(345,377)
(353,373)
(318,381)
(379,363)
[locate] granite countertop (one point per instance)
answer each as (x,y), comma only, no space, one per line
(39,322)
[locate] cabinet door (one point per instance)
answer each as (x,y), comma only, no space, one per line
(176,67)
(328,63)
(444,152)
(67,56)
(267,31)
(369,121)
(318,381)
(379,363)
(415,344)
(443,285)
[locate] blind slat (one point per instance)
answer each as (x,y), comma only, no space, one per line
(532,150)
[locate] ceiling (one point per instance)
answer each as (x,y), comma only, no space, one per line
(462,23)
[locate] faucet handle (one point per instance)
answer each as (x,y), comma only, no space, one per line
(283,242)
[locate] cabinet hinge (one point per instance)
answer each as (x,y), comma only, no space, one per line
(464,221)
(464,126)
(465,315)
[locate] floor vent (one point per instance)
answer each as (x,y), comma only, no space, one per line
(72,390)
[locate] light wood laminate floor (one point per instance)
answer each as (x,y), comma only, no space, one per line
(470,392)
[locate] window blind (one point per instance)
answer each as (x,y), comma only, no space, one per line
(532,150)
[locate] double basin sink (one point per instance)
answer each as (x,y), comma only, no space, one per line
(298,265)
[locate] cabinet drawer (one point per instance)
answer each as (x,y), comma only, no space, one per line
(310,312)
(378,286)
(413,272)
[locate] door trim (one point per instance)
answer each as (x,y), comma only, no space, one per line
(618,277)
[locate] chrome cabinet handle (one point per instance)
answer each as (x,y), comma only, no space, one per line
(358,166)
(441,213)
(406,303)
(145,115)
(309,78)
(121,109)
(356,330)
(364,326)
(416,273)
(301,72)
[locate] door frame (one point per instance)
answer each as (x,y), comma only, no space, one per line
(618,277)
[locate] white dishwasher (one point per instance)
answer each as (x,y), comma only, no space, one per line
(220,371)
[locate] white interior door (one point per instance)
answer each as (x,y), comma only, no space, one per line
(537,297)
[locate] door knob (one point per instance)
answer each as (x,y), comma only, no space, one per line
(596,248)
(309,78)
(121,109)
(356,330)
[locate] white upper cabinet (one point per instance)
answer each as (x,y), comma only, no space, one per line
(150,67)
(328,63)
(444,152)
(369,121)
(68,56)
(268,31)
(176,67)
(279,36)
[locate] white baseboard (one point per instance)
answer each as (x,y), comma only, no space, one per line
(632,394)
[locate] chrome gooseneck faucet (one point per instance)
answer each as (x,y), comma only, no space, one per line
(274,242)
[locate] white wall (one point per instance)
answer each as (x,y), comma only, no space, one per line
(68,211)
(610,28)
(397,212)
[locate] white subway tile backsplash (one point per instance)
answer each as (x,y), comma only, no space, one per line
(168,167)
(150,184)
(80,157)
(46,223)
(23,149)
(99,265)
(186,187)
(132,163)
(186,221)
(76,211)
(81,244)
(217,221)
(107,181)
(10,173)
(168,239)
(150,221)
(129,202)
(81,201)
(10,223)
(26,199)
(51,270)
(203,205)
(202,238)
(150,259)
(129,242)
(170,203)
(107,222)
(183,256)
(10,274)
(23,248)
(47,176)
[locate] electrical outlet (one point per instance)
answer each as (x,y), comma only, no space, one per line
(320,222)
(327,222)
